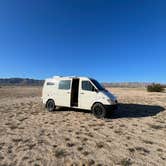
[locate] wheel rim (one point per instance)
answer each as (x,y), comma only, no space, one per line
(98,111)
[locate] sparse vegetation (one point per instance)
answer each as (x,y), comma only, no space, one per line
(67,139)
(85,139)
(99,144)
(131,150)
(118,131)
(155,88)
(160,150)
(142,149)
(157,127)
(128,137)
(90,134)
(1,157)
(70,144)
(80,148)
(85,153)
(60,153)
(148,142)
(126,162)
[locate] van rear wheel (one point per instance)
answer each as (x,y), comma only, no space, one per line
(98,110)
(50,105)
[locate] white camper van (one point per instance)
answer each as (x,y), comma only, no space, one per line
(78,92)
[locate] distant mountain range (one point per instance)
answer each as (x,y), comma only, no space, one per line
(35,82)
(20,82)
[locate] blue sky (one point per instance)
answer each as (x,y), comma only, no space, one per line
(110,40)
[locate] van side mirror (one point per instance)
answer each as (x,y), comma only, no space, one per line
(96,90)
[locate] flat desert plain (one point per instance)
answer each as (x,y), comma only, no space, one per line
(133,135)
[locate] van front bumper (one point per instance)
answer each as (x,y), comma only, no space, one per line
(111,107)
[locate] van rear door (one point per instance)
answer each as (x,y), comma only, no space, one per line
(63,93)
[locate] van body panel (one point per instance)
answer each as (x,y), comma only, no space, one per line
(48,90)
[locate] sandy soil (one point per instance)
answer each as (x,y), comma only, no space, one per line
(133,135)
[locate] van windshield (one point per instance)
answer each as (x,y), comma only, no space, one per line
(98,85)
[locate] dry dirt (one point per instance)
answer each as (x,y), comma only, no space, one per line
(133,135)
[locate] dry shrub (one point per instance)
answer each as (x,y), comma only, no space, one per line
(142,149)
(126,162)
(60,153)
(99,144)
(155,88)
(156,127)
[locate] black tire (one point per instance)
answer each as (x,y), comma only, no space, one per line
(98,110)
(50,105)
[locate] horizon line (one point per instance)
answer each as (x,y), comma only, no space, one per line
(141,82)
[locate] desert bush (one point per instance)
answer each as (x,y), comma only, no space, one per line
(156,126)
(60,153)
(155,88)
(138,148)
(100,144)
(126,162)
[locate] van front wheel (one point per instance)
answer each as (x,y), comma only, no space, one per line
(50,105)
(98,110)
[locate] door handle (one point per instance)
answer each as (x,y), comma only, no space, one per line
(82,93)
(68,92)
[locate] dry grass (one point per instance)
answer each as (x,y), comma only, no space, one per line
(133,135)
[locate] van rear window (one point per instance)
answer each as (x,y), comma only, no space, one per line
(64,84)
(50,83)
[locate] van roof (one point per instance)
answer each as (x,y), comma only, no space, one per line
(67,77)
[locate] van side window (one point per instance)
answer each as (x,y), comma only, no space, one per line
(86,85)
(64,84)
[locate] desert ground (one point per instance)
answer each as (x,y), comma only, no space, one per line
(133,135)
